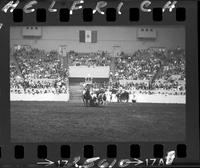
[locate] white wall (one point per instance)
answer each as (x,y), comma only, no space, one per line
(126,37)
(39,97)
(140,98)
(92,72)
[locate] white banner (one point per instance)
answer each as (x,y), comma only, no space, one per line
(88,36)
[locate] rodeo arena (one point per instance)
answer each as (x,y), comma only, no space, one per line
(68,82)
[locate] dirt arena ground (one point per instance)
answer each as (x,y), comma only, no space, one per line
(116,122)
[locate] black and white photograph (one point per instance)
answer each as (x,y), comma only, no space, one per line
(97,83)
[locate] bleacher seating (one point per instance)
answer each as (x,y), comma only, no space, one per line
(150,69)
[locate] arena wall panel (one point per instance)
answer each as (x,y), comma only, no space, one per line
(125,37)
(85,72)
(39,97)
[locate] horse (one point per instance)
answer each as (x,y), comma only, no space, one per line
(86,96)
(122,96)
(98,98)
(94,100)
(89,98)
(101,98)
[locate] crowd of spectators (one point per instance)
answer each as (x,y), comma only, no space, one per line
(145,69)
(144,88)
(163,69)
(142,65)
(38,72)
(99,58)
(39,87)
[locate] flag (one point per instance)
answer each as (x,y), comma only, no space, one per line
(88,36)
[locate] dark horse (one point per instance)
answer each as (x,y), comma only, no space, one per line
(122,96)
(86,97)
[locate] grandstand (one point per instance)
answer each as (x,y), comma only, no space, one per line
(38,72)
(35,69)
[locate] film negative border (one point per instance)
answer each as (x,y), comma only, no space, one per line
(17,153)
(100,11)
(89,151)
(110,15)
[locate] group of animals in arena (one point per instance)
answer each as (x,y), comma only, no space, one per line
(99,97)
(93,98)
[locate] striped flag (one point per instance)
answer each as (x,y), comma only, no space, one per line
(88,36)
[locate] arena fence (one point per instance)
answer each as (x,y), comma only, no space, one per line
(139,97)
(39,97)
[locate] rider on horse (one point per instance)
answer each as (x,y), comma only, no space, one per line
(86,96)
